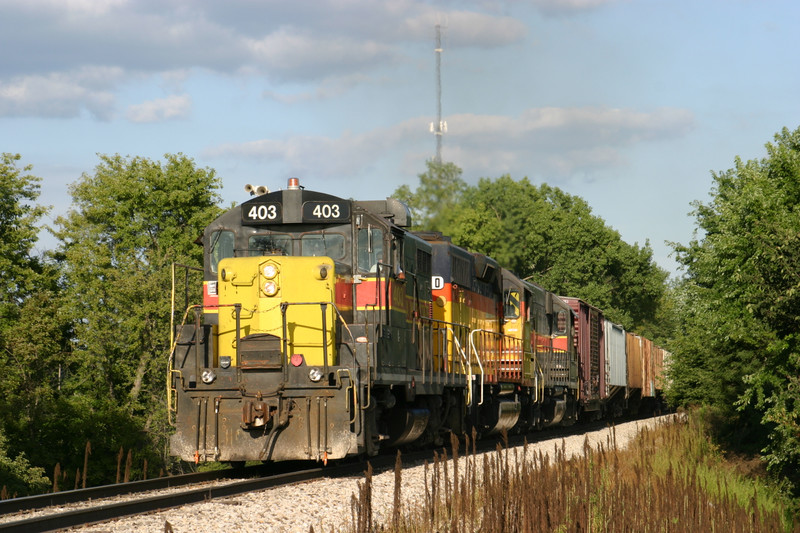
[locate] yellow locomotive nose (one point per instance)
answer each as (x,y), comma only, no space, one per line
(274,290)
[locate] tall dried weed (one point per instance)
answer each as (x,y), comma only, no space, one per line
(663,482)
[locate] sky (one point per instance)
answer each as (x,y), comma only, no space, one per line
(629,104)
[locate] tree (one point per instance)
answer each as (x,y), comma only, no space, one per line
(19,230)
(32,336)
(129,222)
(553,238)
(17,476)
(434,201)
(743,276)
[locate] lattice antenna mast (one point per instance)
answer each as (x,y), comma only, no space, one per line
(439,127)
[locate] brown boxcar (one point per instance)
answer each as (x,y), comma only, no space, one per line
(634,349)
(590,344)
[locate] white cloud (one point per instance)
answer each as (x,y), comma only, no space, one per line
(465,28)
(346,155)
(287,37)
(299,54)
(316,52)
(170,108)
(559,141)
(67,7)
(61,94)
(573,126)
(564,7)
(551,141)
(325,90)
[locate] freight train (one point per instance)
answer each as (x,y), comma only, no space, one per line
(328,329)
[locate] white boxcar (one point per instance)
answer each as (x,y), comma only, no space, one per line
(616,363)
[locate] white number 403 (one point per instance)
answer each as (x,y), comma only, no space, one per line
(263,212)
(326,211)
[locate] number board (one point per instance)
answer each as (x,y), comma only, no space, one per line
(326,212)
(267,213)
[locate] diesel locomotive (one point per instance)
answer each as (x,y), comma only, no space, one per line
(327,329)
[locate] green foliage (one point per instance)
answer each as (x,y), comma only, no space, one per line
(434,203)
(35,359)
(18,232)
(24,356)
(32,332)
(549,236)
(743,296)
(129,222)
(17,475)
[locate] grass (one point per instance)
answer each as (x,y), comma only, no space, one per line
(671,478)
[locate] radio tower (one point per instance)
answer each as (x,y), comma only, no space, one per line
(439,127)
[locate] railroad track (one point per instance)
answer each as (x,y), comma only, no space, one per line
(88,507)
(93,511)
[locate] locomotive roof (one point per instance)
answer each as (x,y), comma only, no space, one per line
(296,205)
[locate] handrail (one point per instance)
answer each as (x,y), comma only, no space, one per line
(477,357)
(468,369)
(174,344)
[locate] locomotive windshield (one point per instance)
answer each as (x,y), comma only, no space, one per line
(323,244)
(273,243)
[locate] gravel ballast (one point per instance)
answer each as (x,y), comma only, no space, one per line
(326,504)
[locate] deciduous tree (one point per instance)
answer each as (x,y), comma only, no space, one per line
(32,335)
(434,202)
(741,343)
(552,238)
(19,229)
(130,220)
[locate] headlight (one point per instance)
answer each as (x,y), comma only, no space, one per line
(270,288)
(208,376)
(227,274)
(315,374)
(270,271)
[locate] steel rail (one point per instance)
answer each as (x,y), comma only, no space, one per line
(101,513)
(39,501)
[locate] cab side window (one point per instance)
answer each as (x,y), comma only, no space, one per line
(221,247)
(561,323)
(511,307)
(370,249)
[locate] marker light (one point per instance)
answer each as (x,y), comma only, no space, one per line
(270,288)
(315,374)
(225,361)
(208,376)
(297,359)
(270,271)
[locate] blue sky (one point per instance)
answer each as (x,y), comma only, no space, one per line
(630,104)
